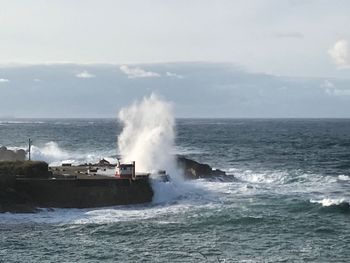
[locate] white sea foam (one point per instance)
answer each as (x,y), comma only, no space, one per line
(261,177)
(289,182)
(330,201)
(343,177)
(105,215)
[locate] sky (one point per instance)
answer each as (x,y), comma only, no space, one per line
(60,43)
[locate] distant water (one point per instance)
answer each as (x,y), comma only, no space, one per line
(289,202)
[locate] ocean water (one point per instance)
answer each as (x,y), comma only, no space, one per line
(289,201)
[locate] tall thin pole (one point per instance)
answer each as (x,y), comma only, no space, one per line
(29,148)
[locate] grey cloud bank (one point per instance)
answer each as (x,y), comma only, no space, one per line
(196,89)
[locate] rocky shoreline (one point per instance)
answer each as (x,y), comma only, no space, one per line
(195,170)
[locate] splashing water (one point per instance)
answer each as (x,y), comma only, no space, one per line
(148,134)
(148,139)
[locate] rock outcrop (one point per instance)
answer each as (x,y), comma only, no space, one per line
(9,155)
(196,170)
(25,169)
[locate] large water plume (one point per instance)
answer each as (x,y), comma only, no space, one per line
(148,134)
(147,138)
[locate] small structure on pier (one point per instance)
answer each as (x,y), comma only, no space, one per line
(127,171)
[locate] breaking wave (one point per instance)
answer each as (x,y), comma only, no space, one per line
(54,155)
(148,138)
(148,134)
(331,201)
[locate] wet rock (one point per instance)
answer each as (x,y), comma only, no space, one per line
(196,170)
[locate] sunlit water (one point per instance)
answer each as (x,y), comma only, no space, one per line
(289,201)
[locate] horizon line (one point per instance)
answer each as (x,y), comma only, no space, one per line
(4,118)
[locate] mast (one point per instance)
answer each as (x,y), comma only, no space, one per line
(29,148)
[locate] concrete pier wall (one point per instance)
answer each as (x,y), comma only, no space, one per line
(81,193)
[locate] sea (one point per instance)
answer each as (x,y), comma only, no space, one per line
(287,201)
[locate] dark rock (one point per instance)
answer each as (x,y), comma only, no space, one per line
(104,163)
(195,170)
(9,155)
(27,169)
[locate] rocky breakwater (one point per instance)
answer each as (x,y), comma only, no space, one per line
(195,170)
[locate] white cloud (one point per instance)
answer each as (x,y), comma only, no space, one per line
(85,75)
(4,80)
(338,92)
(138,72)
(332,90)
(327,84)
(340,54)
(37,80)
(174,75)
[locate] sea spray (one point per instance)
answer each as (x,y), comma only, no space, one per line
(148,135)
(55,155)
(147,138)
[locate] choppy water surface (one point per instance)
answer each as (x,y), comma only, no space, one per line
(289,202)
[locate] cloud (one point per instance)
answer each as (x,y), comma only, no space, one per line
(4,80)
(332,90)
(174,75)
(37,80)
(138,72)
(340,54)
(327,84)
(85,75)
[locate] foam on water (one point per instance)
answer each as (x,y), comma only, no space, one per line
(293,183)
(343,177)
(330,201)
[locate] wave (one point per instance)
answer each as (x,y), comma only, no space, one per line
(333,205)
(330,201)
(54,155)
(343,177)
(279,177)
